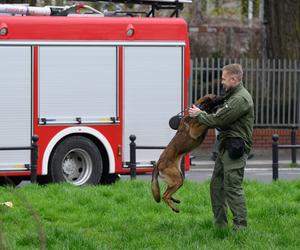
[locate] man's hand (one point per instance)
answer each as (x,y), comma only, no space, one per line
(194,111)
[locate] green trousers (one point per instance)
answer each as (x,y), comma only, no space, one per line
(226,190)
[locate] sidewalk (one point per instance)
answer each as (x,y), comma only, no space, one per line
(261,159)
(250,164)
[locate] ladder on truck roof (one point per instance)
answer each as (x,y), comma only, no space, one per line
(175,5)
(26,10)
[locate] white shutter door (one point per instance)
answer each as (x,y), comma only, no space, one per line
(15,105)
(152,94)
(77,81)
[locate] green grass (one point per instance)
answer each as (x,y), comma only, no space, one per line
(125,216)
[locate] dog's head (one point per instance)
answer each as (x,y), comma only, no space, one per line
(209,103)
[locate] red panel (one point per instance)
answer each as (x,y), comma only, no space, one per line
(120,80)
(112,132)
(14,173)
(93,28)
(35,104)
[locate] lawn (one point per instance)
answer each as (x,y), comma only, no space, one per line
(125,216)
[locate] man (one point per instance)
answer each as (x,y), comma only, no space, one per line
(235,122)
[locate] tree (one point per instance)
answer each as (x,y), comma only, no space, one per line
(197,11)
(282,20)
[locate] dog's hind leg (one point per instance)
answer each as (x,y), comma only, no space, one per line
(175,200)
(168,198)
(174,184)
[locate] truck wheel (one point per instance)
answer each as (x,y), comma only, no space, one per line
(108,179)
(76,160)
(10,181)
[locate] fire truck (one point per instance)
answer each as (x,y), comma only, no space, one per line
(83,81)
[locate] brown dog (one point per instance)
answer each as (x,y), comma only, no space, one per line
(190,134)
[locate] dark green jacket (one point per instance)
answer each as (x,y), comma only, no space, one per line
(235,118)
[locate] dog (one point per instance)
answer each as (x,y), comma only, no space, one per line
(190,134)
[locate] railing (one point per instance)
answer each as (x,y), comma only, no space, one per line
(274,85)
(132,158)
(276,146)
(33,156)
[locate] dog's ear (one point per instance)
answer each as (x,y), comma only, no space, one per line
(219,100)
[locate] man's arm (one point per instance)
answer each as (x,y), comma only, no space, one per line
(229,113)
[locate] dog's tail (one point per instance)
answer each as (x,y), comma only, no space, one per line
(154,184)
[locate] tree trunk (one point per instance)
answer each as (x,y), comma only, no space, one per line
(283,28)
(198,12)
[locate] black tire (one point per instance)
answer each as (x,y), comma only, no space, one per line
(76,160)
(10,181)
(44,179)
(108,179)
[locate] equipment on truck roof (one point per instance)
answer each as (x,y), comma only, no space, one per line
(175,5)
(82,9)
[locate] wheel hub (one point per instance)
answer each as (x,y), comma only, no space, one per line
(77,166)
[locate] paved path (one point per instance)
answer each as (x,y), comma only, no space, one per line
(255,170)
(250,164)
(259,174)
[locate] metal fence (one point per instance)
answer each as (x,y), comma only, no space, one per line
(273,83)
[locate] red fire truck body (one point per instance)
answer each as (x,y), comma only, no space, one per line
(97,78)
